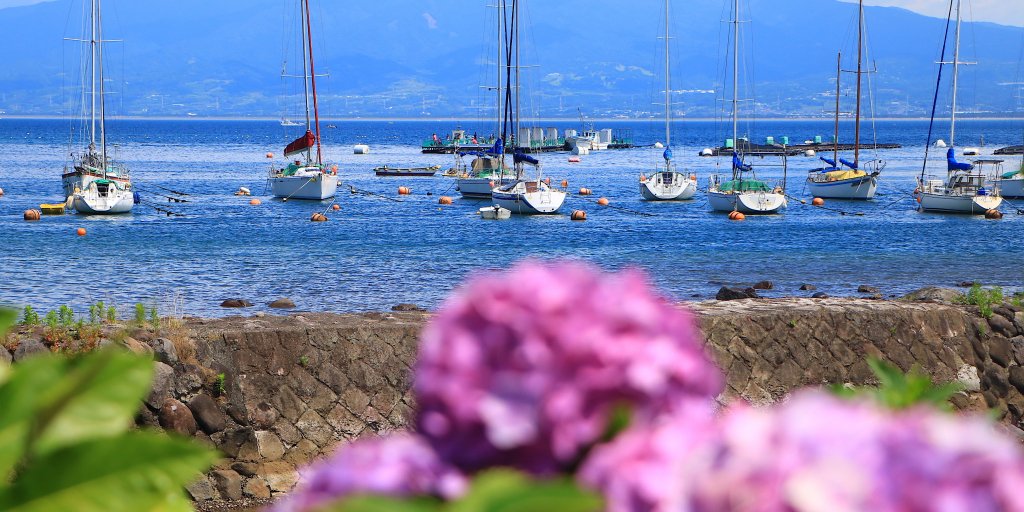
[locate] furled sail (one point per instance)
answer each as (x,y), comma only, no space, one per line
(300,144)
(738,164)
(953,165)
(851,165)
(667,154)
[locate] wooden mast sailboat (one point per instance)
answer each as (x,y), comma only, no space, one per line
(965,189)
(667,184)
(306,177)
(96,185)
(741,193)
(522,196)
(853,182)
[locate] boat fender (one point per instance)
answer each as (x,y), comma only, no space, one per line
(777,190)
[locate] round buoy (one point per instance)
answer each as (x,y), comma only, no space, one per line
(336,207)
(334,168)
(706,152)
(574,159)
(444,200)
(490,183)
(578,215)
(603,201)
(993,214)
(318,217)
(80,231)
(255,202)
(565,184)
(817,201)
(643,178)
(584,191)
(547,181)
(693,177)
(736,216)
(658,145)
(1,192)
(270,155)
(32,214)
(404,191)
(918,199)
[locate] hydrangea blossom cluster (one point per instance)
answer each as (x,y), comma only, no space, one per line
(397,465)
(812,453)
(525,368)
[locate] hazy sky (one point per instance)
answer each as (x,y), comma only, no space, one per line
(1007,12)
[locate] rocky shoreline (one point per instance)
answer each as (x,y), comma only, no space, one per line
(273,393)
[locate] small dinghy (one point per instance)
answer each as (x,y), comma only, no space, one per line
(495,212)
(406,171)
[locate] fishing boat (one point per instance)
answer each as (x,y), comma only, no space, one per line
(406,171)
(524,196)
(306,177)
(666,183)
(966,188)
(95,184)
(841,178)
(288,122)
(743,192)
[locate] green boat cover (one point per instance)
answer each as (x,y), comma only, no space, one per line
(744,186)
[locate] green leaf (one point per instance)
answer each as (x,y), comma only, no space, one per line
(135,472)
(20,401)
(511,491)
(382,504)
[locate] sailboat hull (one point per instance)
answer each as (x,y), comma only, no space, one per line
(863,187)
(478,188)
(91,203)
(750,203)
(519,200)
(965,204)
(302,187)
(675,187)
(1013,189)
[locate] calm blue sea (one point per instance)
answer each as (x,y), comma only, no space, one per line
(377,252)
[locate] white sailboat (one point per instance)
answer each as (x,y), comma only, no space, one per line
(966,188)
(843,179)
(488,168)
(666,183)
(1011,184)
(306,177)
(743,193)
(526,196)
(95,184)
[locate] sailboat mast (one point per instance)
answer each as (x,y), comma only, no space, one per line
(305,68)
(501,58)
(668,88)
(515,41)
(956,72)
(735,74)
(92,47)
(860,50)
(839,72)
(98,63)
(312,81)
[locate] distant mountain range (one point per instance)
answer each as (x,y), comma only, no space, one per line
(436,58)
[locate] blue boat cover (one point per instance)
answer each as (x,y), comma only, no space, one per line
(667,154)
(738,164)
(851,165)
(953,165)
(499,147)
(473,153)
(828,161)
(522,157)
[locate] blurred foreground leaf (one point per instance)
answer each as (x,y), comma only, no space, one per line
(899,390)
(512,491)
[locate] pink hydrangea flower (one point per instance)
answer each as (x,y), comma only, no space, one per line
(524,368)
(813,453)
(398,465)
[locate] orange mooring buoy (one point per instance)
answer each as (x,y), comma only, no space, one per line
(603,201)
(80,231)
(318,217)
(255,202)
(270,155)
(993,214)
(817,201)
(736,216)
(336,207)
(1,192)
(585,191)
(32,214)
(444,200)
(404,191)
(578,215)
(547,181)
(490,183)
(565,184)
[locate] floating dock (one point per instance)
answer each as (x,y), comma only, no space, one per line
(1010,150)
(751,149)
(530,140)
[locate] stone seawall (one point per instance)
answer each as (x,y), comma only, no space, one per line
(274,393)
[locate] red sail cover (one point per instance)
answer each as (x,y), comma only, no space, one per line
(300,144)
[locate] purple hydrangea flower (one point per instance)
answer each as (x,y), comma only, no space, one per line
(814,452)
(525,368)
(398,465)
